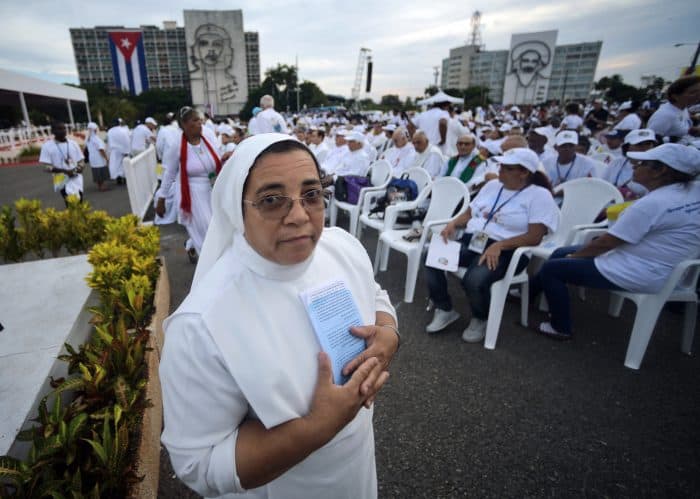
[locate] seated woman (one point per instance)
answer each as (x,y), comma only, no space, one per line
(515,210)
(619,172)
(249,402)
(640,251)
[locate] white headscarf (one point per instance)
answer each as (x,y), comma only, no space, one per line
(227,200)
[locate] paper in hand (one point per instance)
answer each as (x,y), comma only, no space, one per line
(443,255)
(333,311)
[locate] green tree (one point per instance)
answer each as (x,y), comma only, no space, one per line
(391,101)
(311,95)
(476,96)
(617,90)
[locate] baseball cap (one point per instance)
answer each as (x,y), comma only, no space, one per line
(92,126)
(226,130)
(151,121)
(505,127)
(682,158)
(640,135)
(625,105)
(389,128)
(355,136)
(566,137)
(520,156)
(616,134)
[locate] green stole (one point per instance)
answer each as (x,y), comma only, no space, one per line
(467,173)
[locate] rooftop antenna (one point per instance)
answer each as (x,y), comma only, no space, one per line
(475,35)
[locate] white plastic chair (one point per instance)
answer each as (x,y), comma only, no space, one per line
(380,174)
(422,180)
(447,193)
(680,287)
(584,199)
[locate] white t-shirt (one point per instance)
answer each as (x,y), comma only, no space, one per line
(582,166)
(669,121)
(270,121)
(662,229)
(334,158)
(629,122)
(64,155)
(429,122)
(400,158)
(431,160)
(353,163)
(572,122)
(514,210)
(141,137)
(619,173)
(94,145)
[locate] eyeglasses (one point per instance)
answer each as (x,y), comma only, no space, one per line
(465,143)
(275,206)
(649,163)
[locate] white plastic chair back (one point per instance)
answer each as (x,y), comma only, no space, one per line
(380,172)
(420,177)
(584,199)
(446,194)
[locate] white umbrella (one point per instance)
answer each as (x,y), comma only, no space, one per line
(440,97)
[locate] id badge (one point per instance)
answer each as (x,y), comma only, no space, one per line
(477,244)
(59,181)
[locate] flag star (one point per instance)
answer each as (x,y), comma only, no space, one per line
(126,43)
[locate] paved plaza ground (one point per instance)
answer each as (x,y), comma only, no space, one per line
(532,418)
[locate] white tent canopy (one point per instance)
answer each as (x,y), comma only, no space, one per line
(440,97)
(16,82)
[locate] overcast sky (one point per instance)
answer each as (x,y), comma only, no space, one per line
(406,38)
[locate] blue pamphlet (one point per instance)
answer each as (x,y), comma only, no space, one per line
(333,311)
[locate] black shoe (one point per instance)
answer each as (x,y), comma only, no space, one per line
(192,255)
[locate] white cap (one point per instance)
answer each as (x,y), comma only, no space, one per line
(685,159)
(492,146)
(566,137)
(226,130)
(505,127)
(520,156)
(355,136)
(92,126)
(542,130)
(389,128)
(625,105)
(151,121)
(640,135)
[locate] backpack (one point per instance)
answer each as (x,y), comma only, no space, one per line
(347,188)
(399,189)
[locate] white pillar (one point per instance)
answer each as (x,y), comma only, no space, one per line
(23,105)
(70,114)
(87,108)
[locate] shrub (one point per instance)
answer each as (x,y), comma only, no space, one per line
(87,427)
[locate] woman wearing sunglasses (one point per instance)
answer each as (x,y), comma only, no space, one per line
(249,402)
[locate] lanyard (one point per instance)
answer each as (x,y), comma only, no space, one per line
(617,178)
(567,172)
(496,210)
(201,151)
(66,156)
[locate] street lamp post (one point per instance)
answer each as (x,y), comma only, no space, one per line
(694,61)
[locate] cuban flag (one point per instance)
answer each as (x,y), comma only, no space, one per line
(128,61)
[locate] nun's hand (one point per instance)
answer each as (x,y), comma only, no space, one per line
(382,343)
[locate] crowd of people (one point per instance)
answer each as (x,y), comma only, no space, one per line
(255,410)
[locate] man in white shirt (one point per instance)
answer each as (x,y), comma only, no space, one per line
(389,134)
(400,156)
(568,165)
(466,163)
(253,122)
(376,137)
(97,156)
(63,158)
(434,123)
(428,156)
(627,117)
(143,136)
(166,133)
(455,130)
(334,158)
(356,161)
(318,145)
(537,141)
(119,146)
(269,120)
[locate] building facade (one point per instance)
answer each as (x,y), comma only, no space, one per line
(167,57)
(533,70)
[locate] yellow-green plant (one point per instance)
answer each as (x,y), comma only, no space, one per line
(29,231)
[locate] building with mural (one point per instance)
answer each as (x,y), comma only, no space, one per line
(534,69)
(219,63)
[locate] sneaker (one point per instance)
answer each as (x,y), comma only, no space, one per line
(475,332)
(546,329)
(441,319)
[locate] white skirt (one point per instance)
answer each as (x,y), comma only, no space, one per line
(197,222)
(116,169)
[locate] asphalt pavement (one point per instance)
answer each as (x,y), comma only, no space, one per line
(532,418)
